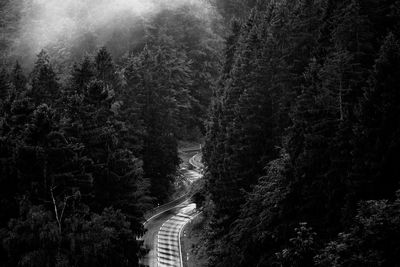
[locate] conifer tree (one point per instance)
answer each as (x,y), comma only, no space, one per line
(229,182)
(82,74)
(5,87)
(159,77)
(213,151)
(105,68)
(45,86)
(18,79)
(376,169)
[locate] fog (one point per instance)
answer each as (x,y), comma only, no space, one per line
(61,23)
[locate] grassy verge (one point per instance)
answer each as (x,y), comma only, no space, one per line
(191,241)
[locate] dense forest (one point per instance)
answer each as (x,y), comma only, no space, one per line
(89,132)
(303,137)
(298,102)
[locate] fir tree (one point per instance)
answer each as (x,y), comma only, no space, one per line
(82,75)
(18,79)
(105,68)
(5,87)
(45,87)
(375,166)
(159,78)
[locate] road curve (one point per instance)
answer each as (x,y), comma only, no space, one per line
(163,230)
(168,237)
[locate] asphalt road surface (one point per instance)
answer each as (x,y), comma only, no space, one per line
(168,237)
(163,230)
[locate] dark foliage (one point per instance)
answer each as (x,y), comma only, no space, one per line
(302,135)
(309,89)
(73,186)
(84,153)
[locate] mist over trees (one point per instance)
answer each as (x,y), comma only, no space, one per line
(89,131)
(298,101)
(70,29)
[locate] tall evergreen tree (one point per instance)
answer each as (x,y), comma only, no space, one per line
(18,79)
(375,164)
(5,87)
(306,63)
(105,68)
(45,86)
(159,77)
(82,74)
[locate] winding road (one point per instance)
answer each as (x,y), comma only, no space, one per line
(163,229)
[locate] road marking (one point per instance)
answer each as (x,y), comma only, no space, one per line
(168,237)
(174,207)
(179,237)
(167,249)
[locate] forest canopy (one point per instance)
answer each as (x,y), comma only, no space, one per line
(298,102)
(303,137)
(90,122)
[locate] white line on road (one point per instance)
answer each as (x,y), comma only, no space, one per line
(167,249)
(168,237)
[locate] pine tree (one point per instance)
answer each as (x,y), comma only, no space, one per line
(315,122)
(18,79)
(82,75)
(375,165)
(213,151)
(229,182)
(5,87)
(45,87)
(159,78)
(105,68)
(58,171)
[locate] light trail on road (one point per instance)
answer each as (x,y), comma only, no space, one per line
(163,229)
(168,245)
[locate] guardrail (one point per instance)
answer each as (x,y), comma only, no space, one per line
(170,205)
(165,207)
